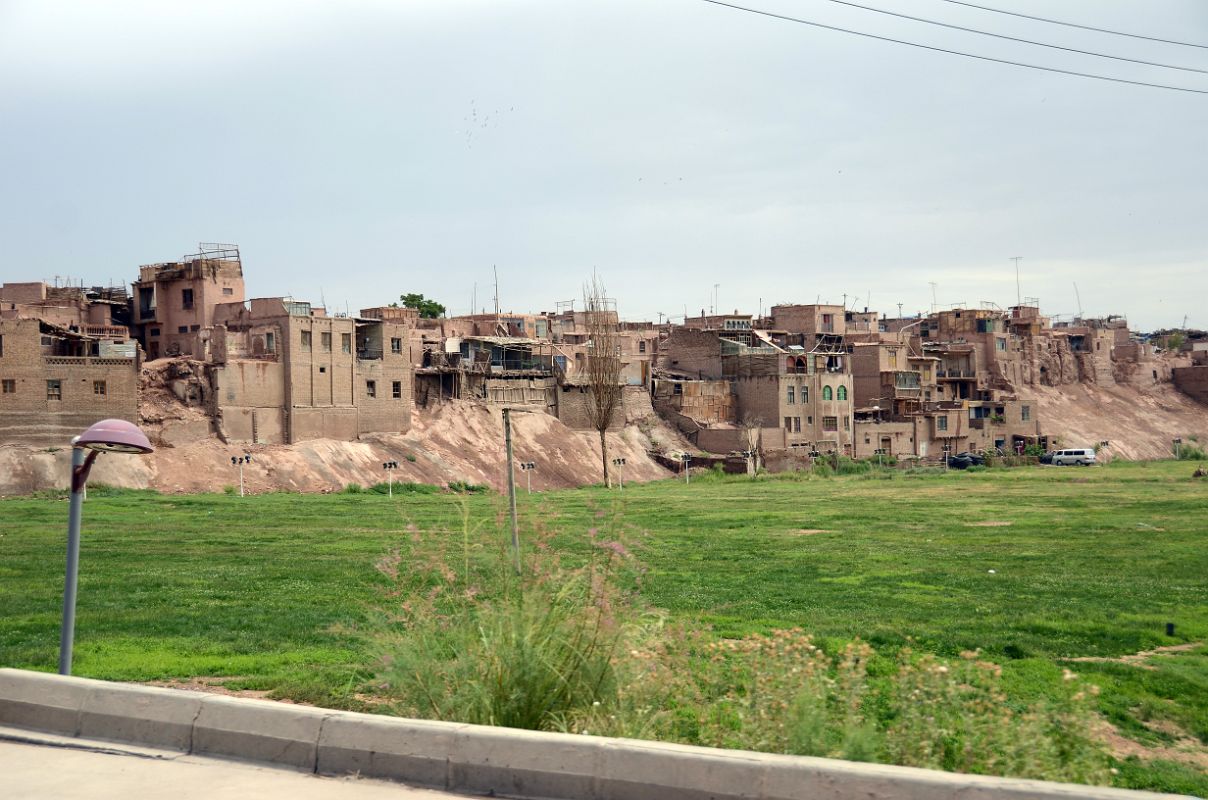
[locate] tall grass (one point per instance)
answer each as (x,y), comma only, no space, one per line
(571,648)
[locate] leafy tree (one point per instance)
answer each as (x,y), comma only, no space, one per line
(428,309)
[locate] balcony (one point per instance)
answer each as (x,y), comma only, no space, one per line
(955,374)
(369,353)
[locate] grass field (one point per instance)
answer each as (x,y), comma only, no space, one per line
(1033,566)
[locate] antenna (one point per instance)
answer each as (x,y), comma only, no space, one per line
(933,285)
(496,270)
(716,308)
(1018,293)
(1079,299)
(899,310)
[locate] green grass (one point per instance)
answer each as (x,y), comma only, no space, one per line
(270,589)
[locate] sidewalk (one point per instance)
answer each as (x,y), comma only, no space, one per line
(67,769)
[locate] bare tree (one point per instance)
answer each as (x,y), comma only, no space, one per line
(752,431)
(603,363)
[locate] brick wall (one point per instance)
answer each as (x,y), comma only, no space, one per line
(28,415)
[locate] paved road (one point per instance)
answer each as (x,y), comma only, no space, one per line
(64,771)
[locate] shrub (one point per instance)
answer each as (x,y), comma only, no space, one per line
(411,457)
(353,488)
(532,651)
(1187,451)
(465,487)
(230,490)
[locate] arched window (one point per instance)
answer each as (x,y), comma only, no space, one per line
(842,392)
(827,393)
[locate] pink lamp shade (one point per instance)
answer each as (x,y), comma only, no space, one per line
(114,436)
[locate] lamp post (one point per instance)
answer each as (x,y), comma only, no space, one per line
(619,463)
(527,468)
(685,458)
(388,466)
(106,436)
(239,461)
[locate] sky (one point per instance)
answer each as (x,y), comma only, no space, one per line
(680,150)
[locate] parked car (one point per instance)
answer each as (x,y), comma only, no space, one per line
(1046,458)
(1082,456)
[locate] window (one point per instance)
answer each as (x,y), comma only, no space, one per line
(830,424)
(842,392)
(186,298)
(396,346)
(325,341)
(371,388)
(306,340)
(396,390)
(847,423)
(270,342)
(641,345)
(1025,413)
(345,342)
(1,347)
(54,390)
(194,328)
(9,386)
(805,394)
(1000,344)
(677,388)
(155,331)
(788,424)
(228,291)
(828,393)
(796,424)
(322,370)
(183,329)
(791,396)
(941,423)
(893,359)
(98,387)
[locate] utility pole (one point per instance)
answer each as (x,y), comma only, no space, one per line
(1018,293)
(716,307)
(899,310)
(507,441)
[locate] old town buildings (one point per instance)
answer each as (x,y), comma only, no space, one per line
(805,381)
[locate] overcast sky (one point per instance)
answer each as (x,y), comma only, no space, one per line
(357,151)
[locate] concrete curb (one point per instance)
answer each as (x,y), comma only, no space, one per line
(477,759)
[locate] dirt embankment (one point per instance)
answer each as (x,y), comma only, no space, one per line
(1138,419)
(460,441)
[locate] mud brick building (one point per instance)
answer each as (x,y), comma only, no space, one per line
(55,382)
(283,371)
(174,302)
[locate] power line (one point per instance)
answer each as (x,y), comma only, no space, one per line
(1017,39)
(1076,25)
(952,52)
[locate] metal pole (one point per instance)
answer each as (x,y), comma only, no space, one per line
(241,477)
(621,475)
(528,474)
(67,633)
(507,438)
(389,484)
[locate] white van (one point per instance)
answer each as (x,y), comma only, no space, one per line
(1079,457)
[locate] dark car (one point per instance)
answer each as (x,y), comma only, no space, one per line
(965,460)
(1046,458)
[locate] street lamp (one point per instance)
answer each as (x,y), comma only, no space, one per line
(685,458)
(239,461)
(388,466)
(619,463)
(106,436)
(527,468)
